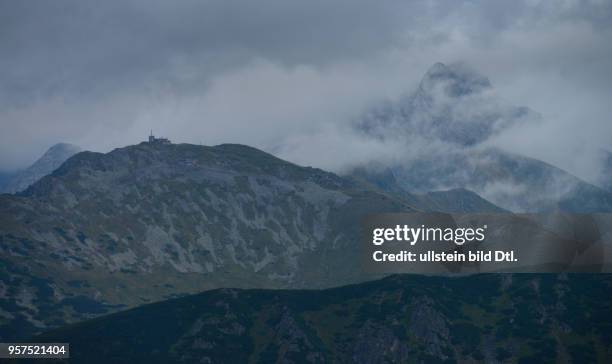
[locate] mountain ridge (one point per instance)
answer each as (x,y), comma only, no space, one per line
(148,222)
(401,318)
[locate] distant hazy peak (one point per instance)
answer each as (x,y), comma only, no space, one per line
(54,157)
(605,178)
(63,148)
(457,80)
(51,160)
(452,104)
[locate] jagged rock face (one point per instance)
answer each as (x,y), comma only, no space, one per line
(452,104)
(52,159)
(430,327)
(450,117)
(484,318)
(147,222)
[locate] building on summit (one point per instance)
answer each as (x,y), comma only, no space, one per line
(154,140)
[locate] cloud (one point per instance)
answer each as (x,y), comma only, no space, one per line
(290,76)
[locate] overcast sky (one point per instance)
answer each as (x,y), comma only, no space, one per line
(287,76)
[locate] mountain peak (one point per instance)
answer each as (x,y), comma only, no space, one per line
(452,104)
(62,148)
(455,79)
(50,161)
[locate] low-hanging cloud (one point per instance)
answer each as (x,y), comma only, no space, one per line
(290,77)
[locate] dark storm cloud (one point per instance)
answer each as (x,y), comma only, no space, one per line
(288,76)
(88,48)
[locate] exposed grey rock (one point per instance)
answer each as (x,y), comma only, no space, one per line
(293,343)
(157,227)
(430,327)
(378,344)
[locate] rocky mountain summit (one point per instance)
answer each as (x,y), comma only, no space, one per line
(450,118)
(53,158)
(452,104)
(152,221)
(400,319)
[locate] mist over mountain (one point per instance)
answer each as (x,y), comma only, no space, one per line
(104,232)
(452,104)
(605,180)
(47,163)
(448,126)
(5,177)
(336,110)
(183,70)
(453,200)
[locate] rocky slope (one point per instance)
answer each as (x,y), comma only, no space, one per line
(400,319)
(53,158)
(143,223)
